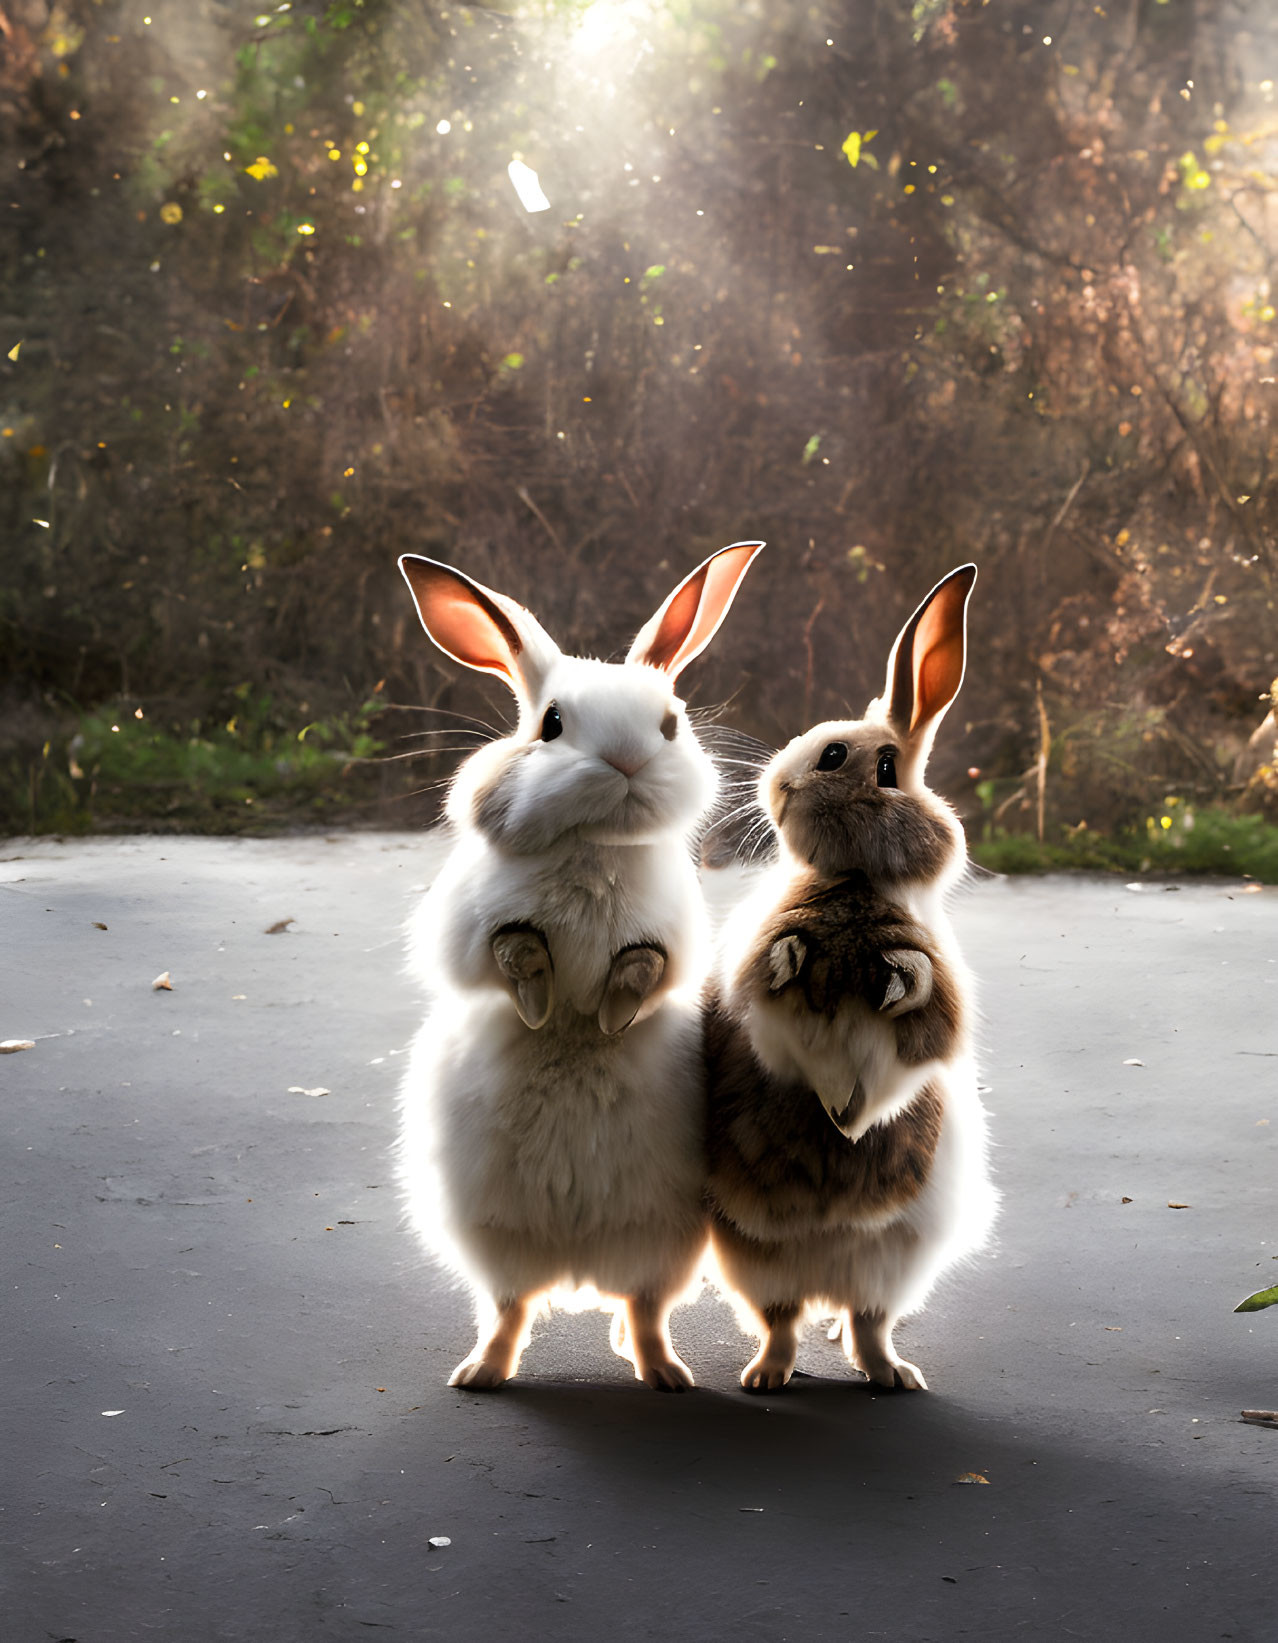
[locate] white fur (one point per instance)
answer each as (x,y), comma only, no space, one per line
(533,1161)
(562,1158)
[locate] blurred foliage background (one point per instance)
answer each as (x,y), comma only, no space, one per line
(892,285)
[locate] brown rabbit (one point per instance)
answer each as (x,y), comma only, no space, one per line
(847,1142)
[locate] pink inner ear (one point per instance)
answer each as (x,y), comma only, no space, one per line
(940,676)
(462,621)
(938,664)
(697,607)
(679,619)
(472,636)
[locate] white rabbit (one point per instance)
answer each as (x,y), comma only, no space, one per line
(553,1109)
(846,1139)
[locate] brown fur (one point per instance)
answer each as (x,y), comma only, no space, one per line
(776,1159)
(841,821)
(847,926)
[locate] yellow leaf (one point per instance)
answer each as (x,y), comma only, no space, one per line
(852,147)
(171,212)
(262,168)
(13,352)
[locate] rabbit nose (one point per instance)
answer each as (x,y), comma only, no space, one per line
(627,763)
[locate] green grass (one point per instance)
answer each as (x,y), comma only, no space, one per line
(253,771)
(1182,839)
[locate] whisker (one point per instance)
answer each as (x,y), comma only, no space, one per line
(452,713)
(730,816)
(426,735)
(418,753)
(737,764)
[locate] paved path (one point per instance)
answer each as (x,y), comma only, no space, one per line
(222,1363)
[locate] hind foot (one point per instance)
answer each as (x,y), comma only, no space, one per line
(773,1364)
(873,1353)
(495,1360)
(635,974)
(644,1338)
(524,960)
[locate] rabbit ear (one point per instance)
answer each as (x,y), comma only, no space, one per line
(690,617)
(926,666)
(477,627)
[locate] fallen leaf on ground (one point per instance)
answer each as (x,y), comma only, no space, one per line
(162,984)
(1171,1205)
(98,924)
(1127,1200)
(971,1477)
(1133,1062)
(298,1089)
(1261,1417)
(1259,1301)
(1116,1329)
(438,1540)
(279,927)
(11,1046)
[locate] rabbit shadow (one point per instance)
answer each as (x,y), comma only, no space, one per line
(813,1435)
(808,1440)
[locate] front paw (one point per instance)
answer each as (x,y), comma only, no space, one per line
(909,985)
(786,958)
(524,960)
(633,977)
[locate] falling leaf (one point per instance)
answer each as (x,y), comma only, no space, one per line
(1114,1329)
(1133,1062)
(162,984)
(298,1089)
(13,352)
(436,1540)
(279,926)
(11,1046)
(971,1477)
(262,168)
(98,925)
(171,212)
(1171,1205)
(1127,1200)
(525,182)
(110,1412)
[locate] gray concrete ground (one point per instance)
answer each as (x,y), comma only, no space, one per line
(224,1361)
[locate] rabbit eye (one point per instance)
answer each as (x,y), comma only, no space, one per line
(670,726)
(552,724)
(832,756)
(885,770)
